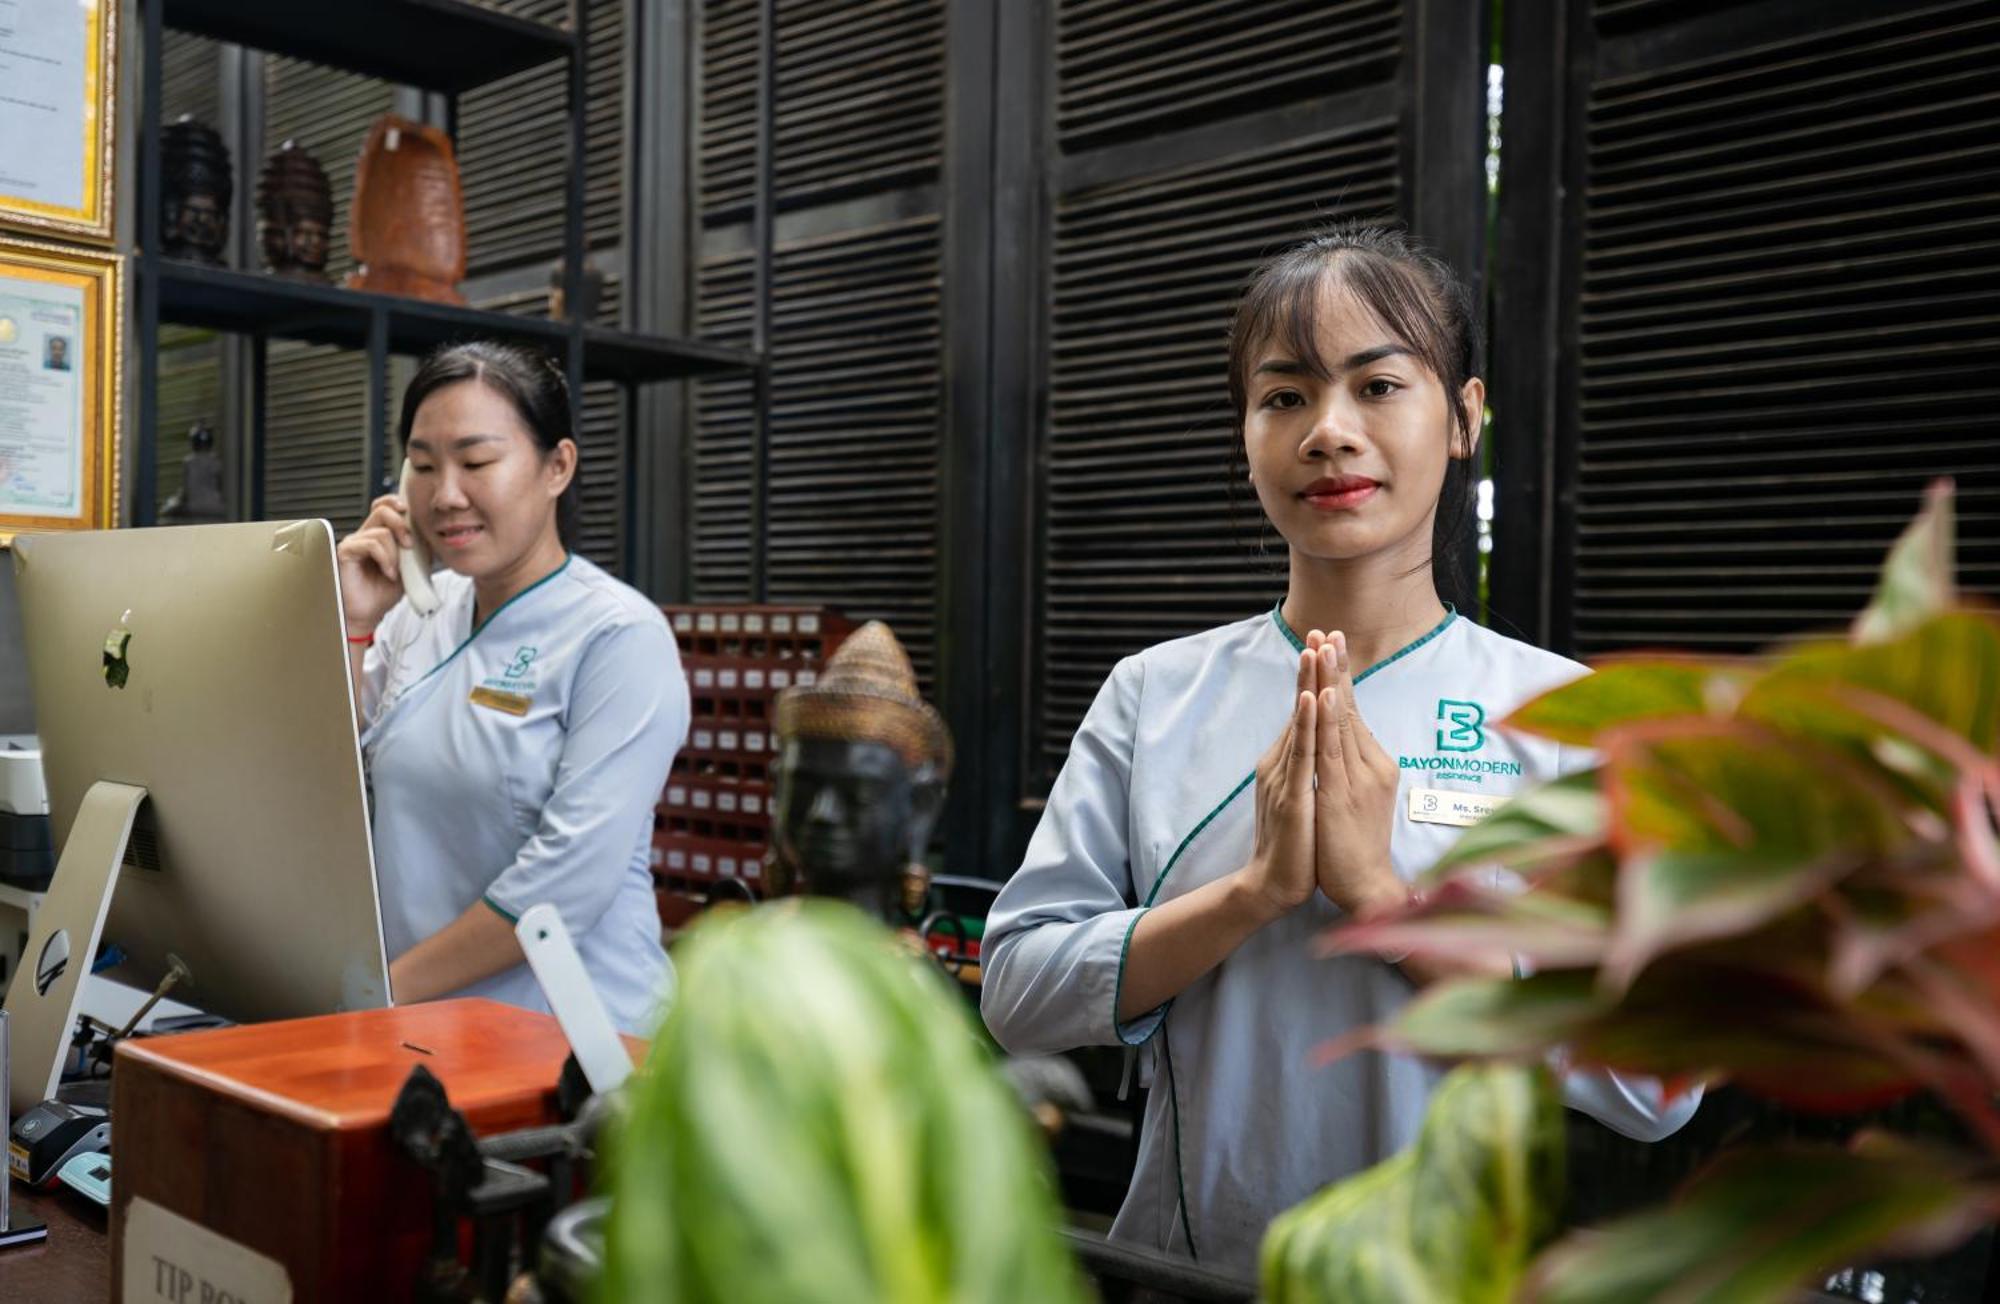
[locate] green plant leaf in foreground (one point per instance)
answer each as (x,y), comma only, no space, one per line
(1682,1020)
(1725,825)
(1628,692)
(818,1121)
(1943,671)
(1563,816)
(1454,1219)
(1466,920)
(1759,1224)
(1917,580)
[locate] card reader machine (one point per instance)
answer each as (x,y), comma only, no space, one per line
(50,1135)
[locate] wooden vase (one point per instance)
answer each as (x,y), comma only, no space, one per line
(407,231)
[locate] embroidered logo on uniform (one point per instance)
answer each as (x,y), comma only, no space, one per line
(1466,719)
(515,684)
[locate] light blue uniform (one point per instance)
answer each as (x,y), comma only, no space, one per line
(1154,801)
(520,764)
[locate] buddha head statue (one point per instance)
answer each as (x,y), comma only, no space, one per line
(294,213)
(196,186)
(859,780)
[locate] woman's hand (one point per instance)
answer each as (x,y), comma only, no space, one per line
(1354,805)
(1280,874)
(371,579)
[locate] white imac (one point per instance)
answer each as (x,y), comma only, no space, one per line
(204,778)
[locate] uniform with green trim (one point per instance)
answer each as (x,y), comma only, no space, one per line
(1155,801)
(520,762)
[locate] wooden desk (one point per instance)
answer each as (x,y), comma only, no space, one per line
(74,1263)
(274,1136)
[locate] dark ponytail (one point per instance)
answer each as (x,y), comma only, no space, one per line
(530,380)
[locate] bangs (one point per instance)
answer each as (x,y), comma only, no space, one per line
(1281,309)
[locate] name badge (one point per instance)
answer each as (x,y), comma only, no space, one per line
(1441,806)
(495,700)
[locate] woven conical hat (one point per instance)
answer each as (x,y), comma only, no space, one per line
(868,693)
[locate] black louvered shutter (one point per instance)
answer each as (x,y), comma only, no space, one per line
(513,161)
(1778,305)
(1745,292)
(851,509)
(1191,141)
(316,413)
(190,358)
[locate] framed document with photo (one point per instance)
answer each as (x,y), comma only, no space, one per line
(58,71)
(62,332)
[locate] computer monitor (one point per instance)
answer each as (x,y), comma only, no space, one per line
(204,778)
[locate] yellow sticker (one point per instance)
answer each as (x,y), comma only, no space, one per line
(1442,806)
(494,699)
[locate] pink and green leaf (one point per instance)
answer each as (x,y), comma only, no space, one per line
(1631,691)
(1560,818)
(1470,921)
(1673,898)
(1724,826)
(1496,1018)
(1937,683)
(1917,580)
(1760,1225)
(1728,786)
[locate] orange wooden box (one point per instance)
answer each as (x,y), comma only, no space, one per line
(275,1135)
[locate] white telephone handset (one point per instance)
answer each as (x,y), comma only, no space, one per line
(566,985)
(415,561)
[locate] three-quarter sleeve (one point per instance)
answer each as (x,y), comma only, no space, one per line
(627,715)
(1057,937)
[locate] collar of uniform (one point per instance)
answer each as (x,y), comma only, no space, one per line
(1299,644)
(567,558)
(480,628)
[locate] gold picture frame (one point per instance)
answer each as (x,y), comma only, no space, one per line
(24,117)
(62,372)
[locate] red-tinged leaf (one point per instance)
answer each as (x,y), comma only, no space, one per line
(1494,1018)
(1674,898)
(1759,1225)
(1944,673)
(1682,1018)
(1773,1037)
(1726,786)
(1623,692)
(1972,818)
(1917,580)
(1975,957)
(1469,921)
(1958,1004)
(1559,819)
(1590,879)
(1724,826)
(1899,908)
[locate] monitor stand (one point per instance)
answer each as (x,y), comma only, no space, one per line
(42,1000)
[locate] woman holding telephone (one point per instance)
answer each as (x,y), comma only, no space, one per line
(519,709)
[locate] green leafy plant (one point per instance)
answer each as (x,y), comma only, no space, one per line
(1456,1217)
(1781,873)
(818,1120)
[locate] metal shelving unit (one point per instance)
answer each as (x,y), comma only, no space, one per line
(444,46)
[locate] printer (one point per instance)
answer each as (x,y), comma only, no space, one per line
(26,859)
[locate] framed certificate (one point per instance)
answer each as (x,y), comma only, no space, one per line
(62,332)
(58,68)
